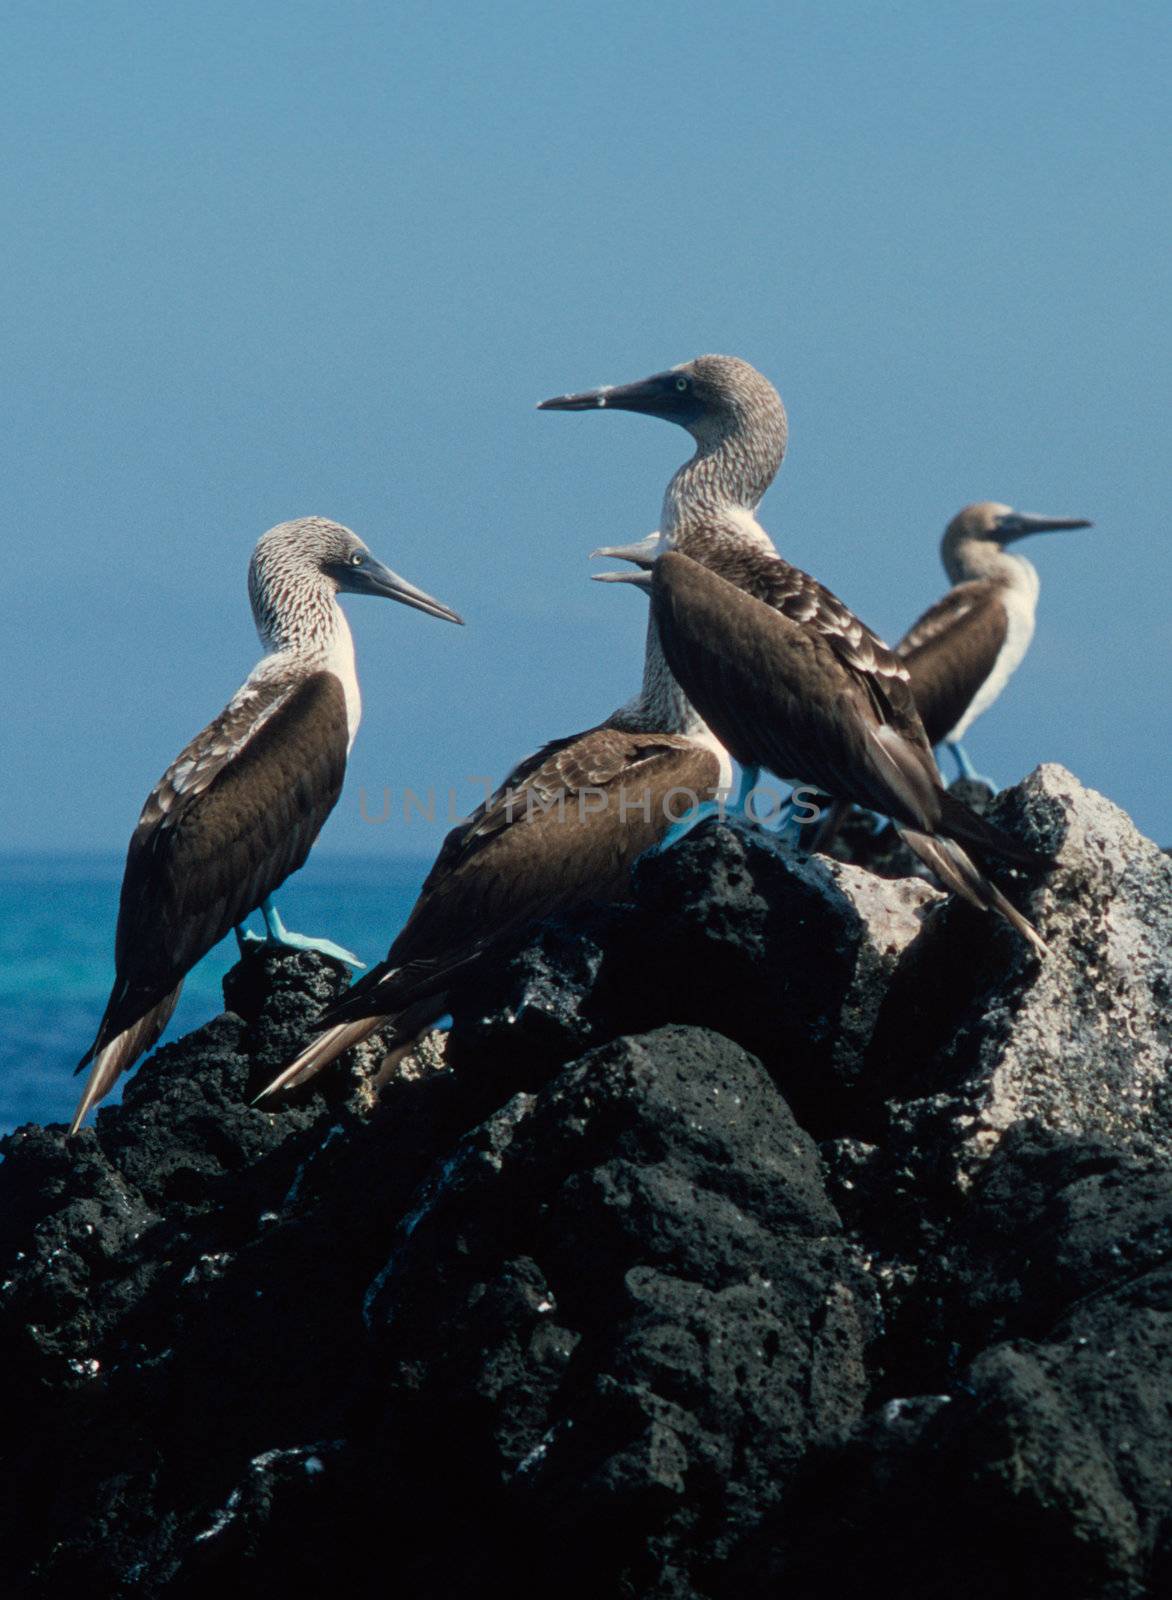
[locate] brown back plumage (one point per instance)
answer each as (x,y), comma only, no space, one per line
(553,835)
(759,633)
(788,678)
(235,813)
(950,652)
(564,829)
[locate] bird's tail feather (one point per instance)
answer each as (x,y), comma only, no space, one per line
(327,1047)
(956,819)
(828,826)
(958,872)
(333,1041)
(112,1059)
(961,823)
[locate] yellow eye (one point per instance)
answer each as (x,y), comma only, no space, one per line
(356,559)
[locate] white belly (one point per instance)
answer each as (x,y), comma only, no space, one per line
(1021,603)
(340,661)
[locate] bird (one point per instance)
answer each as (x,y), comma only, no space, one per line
(741,430)
(791,680)
(239,808)
(784,674)
(964,649)
(962,652)
(562,830)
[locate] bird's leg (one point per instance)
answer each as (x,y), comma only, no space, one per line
(680,829)
(277,934)
(791,826)
(731,804)
(734,804)
(804,808)
(741,801)
(739,804)
(965,768)
(784,821)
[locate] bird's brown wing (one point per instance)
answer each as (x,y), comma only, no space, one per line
(543,774)
(874,666)
(951,651)
(565,828)
(235,813)
(788,678)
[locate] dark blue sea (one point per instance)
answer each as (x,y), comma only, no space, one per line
(57,916)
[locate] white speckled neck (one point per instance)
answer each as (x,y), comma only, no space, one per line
(327,646)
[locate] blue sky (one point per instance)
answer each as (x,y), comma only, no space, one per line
(266,261)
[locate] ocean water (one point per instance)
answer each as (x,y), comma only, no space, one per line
(57,917)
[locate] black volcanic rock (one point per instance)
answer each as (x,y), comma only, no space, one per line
(581,1304)
(787,954)
(629,1299)
(1036,1465)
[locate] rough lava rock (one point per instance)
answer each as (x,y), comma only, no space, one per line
(1029,1452)
(787,1230)
(975,1036)
(787,954)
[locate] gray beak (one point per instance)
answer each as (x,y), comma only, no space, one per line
(1023,523)
(657,396)
(641,579)
(373,578)
(587,400)
(642,554)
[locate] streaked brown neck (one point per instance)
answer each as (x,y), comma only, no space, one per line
(661,706)
(736,459)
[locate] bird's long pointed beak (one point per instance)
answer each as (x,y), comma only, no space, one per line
(641,579)
(1028,523)
(586,400)
(648,394)
(642,553)
(373,578)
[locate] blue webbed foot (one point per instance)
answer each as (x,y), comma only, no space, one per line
(752,800)
(739,802)
(790,823)
(804,808)
(684,826)
(277,934)
(785,823)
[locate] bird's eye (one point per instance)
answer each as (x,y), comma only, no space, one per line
(357,559)
(682,384)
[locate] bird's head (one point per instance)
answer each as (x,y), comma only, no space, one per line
(311,556)
(976,534)
(314,552)
(710,396)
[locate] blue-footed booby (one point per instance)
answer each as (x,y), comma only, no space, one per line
(964,649)
(563,829)
(239,808)
(790,680)
(739,424)
(781,671)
